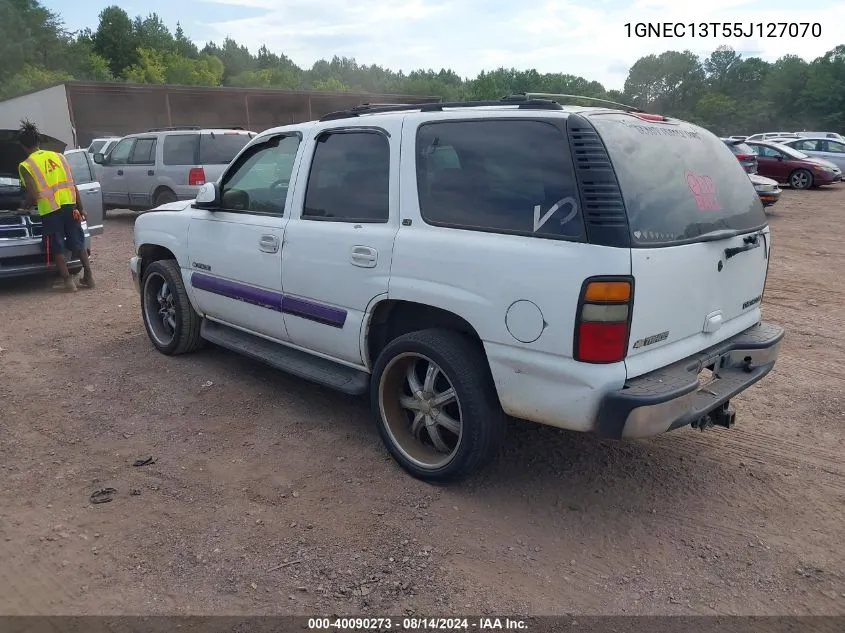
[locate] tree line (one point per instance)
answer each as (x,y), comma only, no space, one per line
(724,92)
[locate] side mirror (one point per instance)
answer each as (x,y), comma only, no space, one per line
(208,196)
(99,158)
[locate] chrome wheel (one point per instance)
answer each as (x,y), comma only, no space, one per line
(159,308)
(421,410)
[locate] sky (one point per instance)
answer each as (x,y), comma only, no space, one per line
(579,37)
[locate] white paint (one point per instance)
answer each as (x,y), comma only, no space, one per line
(539,222)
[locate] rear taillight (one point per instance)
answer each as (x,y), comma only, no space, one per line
(196,176)
(744,156)
(603,322)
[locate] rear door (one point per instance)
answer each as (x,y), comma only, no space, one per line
(699,237)
(82,169)
(834,152)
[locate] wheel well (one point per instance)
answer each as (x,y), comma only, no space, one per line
(392,319)
(150,253)
(160,189)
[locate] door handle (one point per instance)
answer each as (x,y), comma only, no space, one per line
(269,243)
(150,172)
(364,256)
(119,172)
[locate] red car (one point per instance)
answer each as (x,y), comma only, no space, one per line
(788,165)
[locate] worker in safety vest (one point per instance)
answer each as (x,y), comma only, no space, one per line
(50,188)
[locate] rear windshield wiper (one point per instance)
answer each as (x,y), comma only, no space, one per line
(749,242)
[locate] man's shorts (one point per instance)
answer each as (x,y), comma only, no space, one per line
(64,233)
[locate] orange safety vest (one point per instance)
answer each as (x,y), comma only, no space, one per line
(52,176)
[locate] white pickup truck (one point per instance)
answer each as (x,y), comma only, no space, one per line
(587,268)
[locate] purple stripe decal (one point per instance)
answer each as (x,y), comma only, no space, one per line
(294,306)
(314,311)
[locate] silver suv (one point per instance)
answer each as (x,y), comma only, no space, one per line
(163,165)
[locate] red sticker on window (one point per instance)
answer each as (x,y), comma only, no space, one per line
(704,190)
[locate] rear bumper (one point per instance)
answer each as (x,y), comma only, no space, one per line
(768,198)
(673,397)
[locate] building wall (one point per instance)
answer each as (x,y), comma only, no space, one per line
(47,108)
(118,109)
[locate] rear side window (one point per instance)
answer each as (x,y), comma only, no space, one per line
(506,176)
(679,182)
(79,168)
(180,149)
(349,179)
(219,148)
(144,152)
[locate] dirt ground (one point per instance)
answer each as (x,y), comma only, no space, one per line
(270,495)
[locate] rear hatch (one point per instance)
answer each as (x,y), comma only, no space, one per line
(699,237)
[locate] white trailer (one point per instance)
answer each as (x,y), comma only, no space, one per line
(48,108)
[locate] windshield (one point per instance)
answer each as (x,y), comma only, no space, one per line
(679,181)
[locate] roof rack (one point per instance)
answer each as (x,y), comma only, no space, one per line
(174,128)
(378,108)
(557,97)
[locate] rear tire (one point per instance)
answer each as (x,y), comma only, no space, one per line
(172,324)
(436,405)
(801,179)
(163,196)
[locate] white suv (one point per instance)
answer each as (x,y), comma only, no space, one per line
(578,267)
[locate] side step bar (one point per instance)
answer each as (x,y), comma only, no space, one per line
(325,372)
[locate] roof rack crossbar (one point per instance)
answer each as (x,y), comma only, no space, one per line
(174,128)
(366,108)
(556,97)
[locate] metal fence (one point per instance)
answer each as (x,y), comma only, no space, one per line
(98,110)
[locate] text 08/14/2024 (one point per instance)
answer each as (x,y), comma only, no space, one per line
(723,29)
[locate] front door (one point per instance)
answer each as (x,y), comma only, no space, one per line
(339,242)
(113,176)
(235,250)
(139,173)
(82,170)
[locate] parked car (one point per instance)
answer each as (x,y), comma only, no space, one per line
(457,261)
(165,165)
(743,153)
(770,135)
(22,248)
(103,145)
(738,137)
(833,135)
(788,165)
(767,189)
(827,149)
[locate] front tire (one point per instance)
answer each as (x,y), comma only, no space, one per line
(801,179)
(436,405)
(169,318)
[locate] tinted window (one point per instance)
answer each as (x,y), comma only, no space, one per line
(259,180)
(765,151)
(835,147)
(678,180)
(506,175)
(349,179)
(96,146)
(79,168)
(144,152)
(219,148)
(804,146)
(740,148)
(120,154)
(180,149)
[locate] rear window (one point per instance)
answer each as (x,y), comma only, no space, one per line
(96,146)
(180,149)
(679,182)
(219,148)
(741,148)
(507,176)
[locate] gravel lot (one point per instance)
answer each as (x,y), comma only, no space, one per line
(269,495)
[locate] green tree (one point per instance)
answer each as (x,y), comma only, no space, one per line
(29,78)
(182,45)
(151,33)
(671,82)
(115,39)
